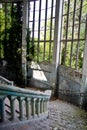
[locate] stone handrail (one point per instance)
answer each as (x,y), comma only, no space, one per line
(5,81)
(29,104)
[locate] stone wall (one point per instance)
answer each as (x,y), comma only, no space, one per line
(71,86)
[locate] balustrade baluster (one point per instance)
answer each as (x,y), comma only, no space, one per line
(12,102)
(38,107)
(42,105)
(46,105)
(20,99)
(33,107)
(28,108)
(35,103)
(2,109)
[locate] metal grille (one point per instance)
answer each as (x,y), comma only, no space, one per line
(41,25)
(73,33)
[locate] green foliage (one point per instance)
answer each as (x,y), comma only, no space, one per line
(77,45)
(12,40)
(30,46)
(44,50)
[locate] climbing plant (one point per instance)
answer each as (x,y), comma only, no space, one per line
(12,41)
(30,47)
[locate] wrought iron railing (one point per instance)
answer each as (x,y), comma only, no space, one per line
(18,103)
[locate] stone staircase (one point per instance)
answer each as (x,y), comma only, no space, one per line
(18,106)
(4,81)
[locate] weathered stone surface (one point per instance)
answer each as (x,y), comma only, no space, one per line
(72,86)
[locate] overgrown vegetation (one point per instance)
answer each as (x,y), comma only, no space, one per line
(74,47)
(43,51)
(30,47)
(11,39)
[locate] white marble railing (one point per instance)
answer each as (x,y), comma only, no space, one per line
(5,81)
(22,104)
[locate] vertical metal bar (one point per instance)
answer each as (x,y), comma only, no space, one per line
(67,29)
(72,33)
(28,11)
(77,52)
(45,30)
(51,25)
(33,22)
(39,22)
(28,25)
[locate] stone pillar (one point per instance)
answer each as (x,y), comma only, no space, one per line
(57,46)
(24,43)
(83,100)
(28,107)
(85,54)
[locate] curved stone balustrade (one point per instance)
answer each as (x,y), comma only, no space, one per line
(5,81)
(22,104)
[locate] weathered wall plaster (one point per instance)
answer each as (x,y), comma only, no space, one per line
(72,86)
